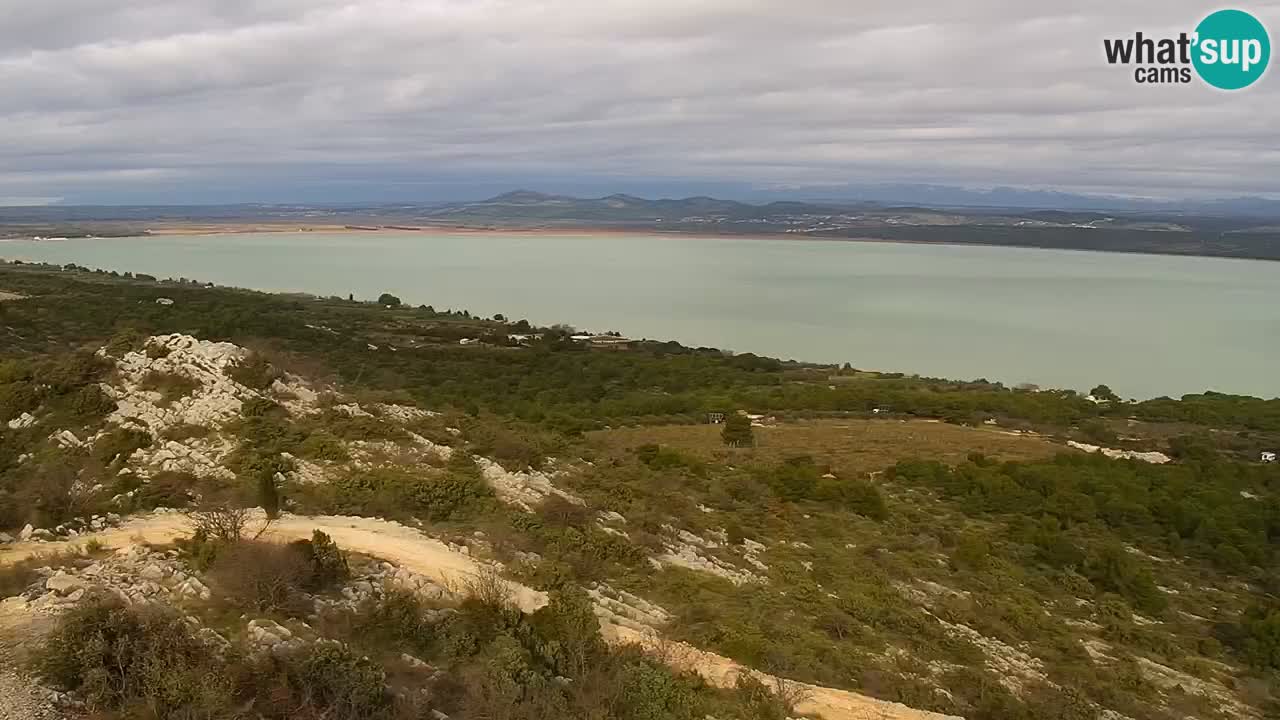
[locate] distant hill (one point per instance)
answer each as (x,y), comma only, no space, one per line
(528,204)
(1160,231)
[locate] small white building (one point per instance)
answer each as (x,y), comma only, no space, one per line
(1268,457)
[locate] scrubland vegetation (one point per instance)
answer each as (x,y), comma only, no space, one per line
(947,565)
(397,656)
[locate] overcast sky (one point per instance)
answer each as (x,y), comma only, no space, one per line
(107,101)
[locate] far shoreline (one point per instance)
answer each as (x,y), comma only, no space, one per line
(192,229)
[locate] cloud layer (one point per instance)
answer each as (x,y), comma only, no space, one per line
(188,100)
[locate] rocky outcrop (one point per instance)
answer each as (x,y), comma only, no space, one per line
(619,607)
(1155,458)
(1015,668)
(66,439)
(216,400)
(524,490)
(687,550)
(201,457)
(272,637)
(403,413)
(70,529)
(134,574)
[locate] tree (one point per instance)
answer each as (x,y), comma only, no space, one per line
(1102,392)
(1259,637)
(269,495)
(737,431)
(388,299)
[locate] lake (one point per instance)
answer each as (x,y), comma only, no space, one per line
(1146,325)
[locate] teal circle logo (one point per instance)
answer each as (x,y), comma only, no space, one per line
(1231,49)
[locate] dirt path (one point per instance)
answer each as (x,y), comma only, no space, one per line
(830,703)
(387,540)
(427,556)
(20,697)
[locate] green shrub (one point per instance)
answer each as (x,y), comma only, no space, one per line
(1113,569)
(661,458)
(397,620)
(200,550)
(1098,432)
(396,492)
(254,372)
(794,479)
(15,371)
(650,691)
(91,402)
(358,427)
(262,576)
(116,656)
(185,431)
(323,446)
(171,386)
(17,398)
(334,682)
(115,447)
(1256,637)
(758,701)
(328,563)
(155,351)
(73,371)
(144,661)
(566,633)
(572,547)
(559,512)
(125,341)
(856,495)
(165,489)
(260,407)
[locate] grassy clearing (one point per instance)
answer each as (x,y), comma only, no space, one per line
(852,446)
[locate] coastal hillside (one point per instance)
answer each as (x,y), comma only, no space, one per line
(219,503)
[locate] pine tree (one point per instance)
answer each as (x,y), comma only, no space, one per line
(269,495)
(737,431)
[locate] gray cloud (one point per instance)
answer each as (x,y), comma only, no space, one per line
(282,99)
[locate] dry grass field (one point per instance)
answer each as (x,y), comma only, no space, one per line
(848,445)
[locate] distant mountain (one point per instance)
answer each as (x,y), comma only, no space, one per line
(929,205)
(525,197)
(949,196)
(527,205)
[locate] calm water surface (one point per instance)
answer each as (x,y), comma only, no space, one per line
(1147,325)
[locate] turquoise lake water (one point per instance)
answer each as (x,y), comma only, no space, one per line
(1147,325)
